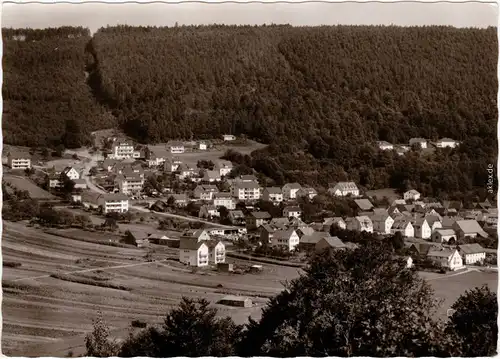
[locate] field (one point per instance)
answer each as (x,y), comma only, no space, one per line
(49,301)
(36,306)
(23,183)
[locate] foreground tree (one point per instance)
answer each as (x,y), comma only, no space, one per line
(98,343)
(190,330)
(353,303)
(474,322)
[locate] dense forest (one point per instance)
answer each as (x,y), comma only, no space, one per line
(46,99)
(320,96)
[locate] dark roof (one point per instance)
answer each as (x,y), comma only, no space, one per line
(334,242)
(471,248)
(314,237)
(260,215)
(190,243)
(364,204)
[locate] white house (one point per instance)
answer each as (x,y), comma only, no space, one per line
(176,147)
(19,161)
(472,253)
(71,173)
(292,211)
(385,146)
(404,226)
(208,211)
(335,221)
(224,200)
(421,141)
(290,190)
(205,192)
(211,176)
(224,167)
(246,190)
(229,137)
(287,239)
(447,258)
(443,235)
(193,252)
(154,159)
(382,223)
(272,194)
(171,165)
(434,222)
(202,146)
(129,185)
(411,195)
(109,202)
(360,223)
(446,142)
(199,234)
(344,189)
(422,228)
(122,150)
(308,192)
(217,252)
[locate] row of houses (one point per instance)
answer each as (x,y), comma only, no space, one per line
(422,142)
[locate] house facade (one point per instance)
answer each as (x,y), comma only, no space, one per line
(176,147)
(403,226)
(360,223)
(225,167)
(71,173)
(443,235)
(224,200)
(411,195)
(217,252)
(257,219)
(472,253)
(19,161)
(382,223)
(446,142)
(246,191)
(122,150)
(420,141)
(292,211)
(129,185)
(308,192)
(287,239)
(343,189)
(272,194)
(113,202)
(422,228)
(229,137)
(193,253)
(290,190)
(205,192)
(446,258)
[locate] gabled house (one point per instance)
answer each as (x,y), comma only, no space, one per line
(272,194)
(344,189)
(443,235)
(224,167)
(180,199)
(205,192)
(222,199)
(236,217)
(139,238)
(308,192)
(217,252)
(359,223)
(280,222)
(411,195)
(208,211)
(420,141)
(193,252)
(79,184)
(185,171)
(292,211)
(246,190)
(171,165)
(18,160)
(364,204)
(287,239)
(329,242)
(404,226)
(421,249)
(211,176)
(154,159)
(257,219)
(229,137)
(446,142)
(447,258)
(71,173)
(290,190)
(422,228)
(468,228)
(199,235)
(176,147)
(335,221)
(308,241)
(109,202)
(382,223)
(306,231)
(472,253)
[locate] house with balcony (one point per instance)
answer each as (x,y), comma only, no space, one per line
(194,253)
(205,192)
(257,219)
(217,252)
(109,202)
(246,190)
(129,185)
(18,160)
(222,199)
(122,150)
(272,194)
(176,147)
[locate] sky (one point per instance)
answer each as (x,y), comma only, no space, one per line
(97,15)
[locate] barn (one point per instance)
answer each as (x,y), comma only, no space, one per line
(236,301)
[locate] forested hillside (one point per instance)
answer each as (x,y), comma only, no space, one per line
(320,96)
(46,99)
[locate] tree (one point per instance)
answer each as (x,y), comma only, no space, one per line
(352,303)
(98,343)
(193,329)
(474,322)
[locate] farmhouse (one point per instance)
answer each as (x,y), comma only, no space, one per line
(443,235)
(272,194)
(236,301)
(176,147)
(308,192)
(309,240)
(419,141)
(446,142)
(468,228)
(122,150)
(447,258)
(138,238)
(205,192)
(292,211)
(472,253)
(287,239)
(411,195)
(329,242)
(382,223)
(344,189)
(18,160)
(359,223)
(223,199)
(422,228)
(385,146)
(193,252)
(290,190)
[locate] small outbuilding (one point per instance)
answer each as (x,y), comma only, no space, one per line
(236,301)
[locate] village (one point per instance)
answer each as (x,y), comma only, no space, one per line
(178,179)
